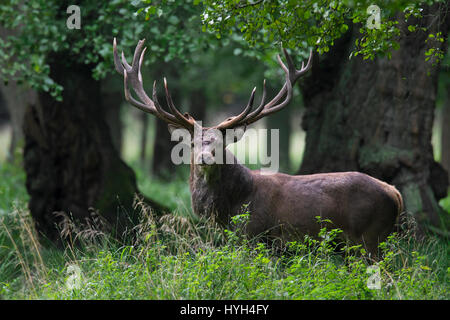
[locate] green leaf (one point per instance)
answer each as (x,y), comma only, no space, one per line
(173,20)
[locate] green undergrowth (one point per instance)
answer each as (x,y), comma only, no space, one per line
(177,256)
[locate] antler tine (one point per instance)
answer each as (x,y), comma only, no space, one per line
(137,53)
(117,62)
(125,63)
(272,106)
(280,106)
(133,101)
(172,107)
(308,65)
(291,67)
(135,72)
(164,114)
(133,75)
(141,60)
(292,74)
(255,114)
(261,105)
(237,119)
(156,102)
(289,60)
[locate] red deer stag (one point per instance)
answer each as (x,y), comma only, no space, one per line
(281,205)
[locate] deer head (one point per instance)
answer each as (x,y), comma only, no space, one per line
(208,139)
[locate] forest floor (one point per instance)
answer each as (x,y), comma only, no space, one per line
(180,256)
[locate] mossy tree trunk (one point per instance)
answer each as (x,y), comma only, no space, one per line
(377,116)
(70,161)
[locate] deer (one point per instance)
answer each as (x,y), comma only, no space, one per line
(281,206)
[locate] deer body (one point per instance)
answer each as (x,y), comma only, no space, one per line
(285,206)
(280,205)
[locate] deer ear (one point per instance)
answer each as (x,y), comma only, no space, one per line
(240,131)
(234,135)
(173,127)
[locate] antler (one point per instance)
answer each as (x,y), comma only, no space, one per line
(246,117)
(133,75)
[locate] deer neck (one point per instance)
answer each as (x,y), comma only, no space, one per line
(220,189)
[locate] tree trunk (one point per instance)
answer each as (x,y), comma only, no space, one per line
(4,114)
(197,104)
(69,158)
(112,97)
(16,99)
(281,121)
(376,117)
(162,164)
(445,135)
(144,135)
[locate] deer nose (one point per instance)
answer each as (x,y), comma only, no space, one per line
(207,158)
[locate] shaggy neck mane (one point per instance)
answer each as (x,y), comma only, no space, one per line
(220,189)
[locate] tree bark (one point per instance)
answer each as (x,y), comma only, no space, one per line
(112,97)
(162,164)
(4,114)
(69,158)
(197,104)
(445,135)
(16,99)
(144,135)
(376,117)
(281,122)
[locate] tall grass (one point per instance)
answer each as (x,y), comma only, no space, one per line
(178,256)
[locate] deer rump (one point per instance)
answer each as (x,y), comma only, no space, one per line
(286,207)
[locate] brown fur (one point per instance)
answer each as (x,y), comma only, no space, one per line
(286,206)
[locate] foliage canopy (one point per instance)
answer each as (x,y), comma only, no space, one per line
(39,30)
(173,29)
(313,23)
